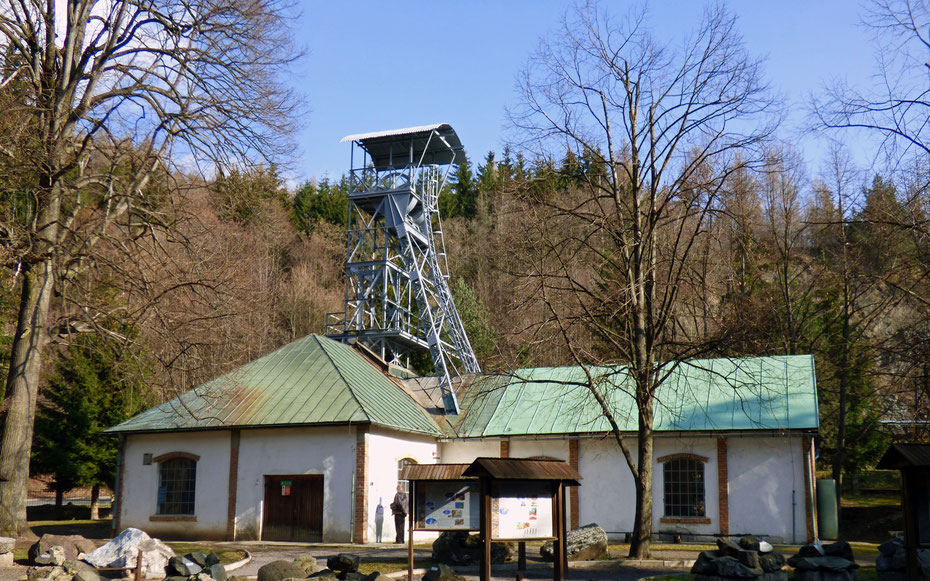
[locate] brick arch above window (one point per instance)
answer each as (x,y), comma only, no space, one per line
(173,455)
(682,456)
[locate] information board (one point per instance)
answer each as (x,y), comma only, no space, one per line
(522,510)
(448,505)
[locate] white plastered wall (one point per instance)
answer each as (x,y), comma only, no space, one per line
(766,476)
(465,452)
(385,449)
(138,490)
(606,494)
(329,451)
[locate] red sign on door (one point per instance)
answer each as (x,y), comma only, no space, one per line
(285,488)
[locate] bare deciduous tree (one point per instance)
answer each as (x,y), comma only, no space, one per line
(897,106)
(667,124)
(112,93)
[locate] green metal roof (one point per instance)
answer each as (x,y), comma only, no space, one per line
(312,381)
(760,393)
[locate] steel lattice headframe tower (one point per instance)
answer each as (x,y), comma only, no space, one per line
(397,293)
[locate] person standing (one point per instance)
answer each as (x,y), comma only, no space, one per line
(399,510)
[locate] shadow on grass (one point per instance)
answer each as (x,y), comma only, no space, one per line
(89,529)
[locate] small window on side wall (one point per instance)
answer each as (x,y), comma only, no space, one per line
(400,470)
(177,478)
(684,487)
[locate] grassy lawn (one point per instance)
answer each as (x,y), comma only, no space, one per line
(368,567)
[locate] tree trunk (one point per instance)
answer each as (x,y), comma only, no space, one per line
(21,391)
(59,496)
(95,502)
(642,524)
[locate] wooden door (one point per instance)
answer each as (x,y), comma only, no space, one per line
(293,508)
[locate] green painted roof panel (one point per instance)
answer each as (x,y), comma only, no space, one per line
(312,381)
(758,393)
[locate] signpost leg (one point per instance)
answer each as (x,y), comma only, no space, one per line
(485,530)
(558,562)
(521,556)
(564,524)
(410,507)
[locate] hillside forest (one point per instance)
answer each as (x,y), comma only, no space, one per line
(166,277)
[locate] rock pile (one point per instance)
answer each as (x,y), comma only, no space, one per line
(820,562)
(75,547)
(891,563)
(588,543)
(6,551)
(461,548)
(750,559)
(195,566)
(341,567)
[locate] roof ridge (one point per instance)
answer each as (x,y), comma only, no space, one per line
(341,375)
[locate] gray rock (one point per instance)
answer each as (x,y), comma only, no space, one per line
(811,550)
(765,547)
(198,557)
(183,567)
(442,572)
(377,576)
(892,576)
(749,543)
(35,573)
(212,559)
(889,547)
(706,563)
(826,575)
(73,545)
(770,562)
(460,548)
(821,563)
(202,576)
(839,549)
(352,576)
(730,567)
(729,548)
(324,575)
(343,563)
(86,576)
(587,543)
(774,576)
(280,570)
(176,578)
(308,564)
(54,556)
(217,571)
(7,544)
(238,578)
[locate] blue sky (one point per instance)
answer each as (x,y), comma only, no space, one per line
(376,65)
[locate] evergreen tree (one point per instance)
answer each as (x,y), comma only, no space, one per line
(475,318)
(323,201)
(94,386)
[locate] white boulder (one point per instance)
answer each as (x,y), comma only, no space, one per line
(122,551)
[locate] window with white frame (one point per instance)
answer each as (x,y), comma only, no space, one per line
(400,469)
(177,479)
(683,479)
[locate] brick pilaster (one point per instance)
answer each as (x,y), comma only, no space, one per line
(360,530)
(505,448)
(807,450)
(574,502)
(723,487)
(233,485)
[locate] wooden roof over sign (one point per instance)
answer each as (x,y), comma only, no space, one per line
(435,472)
(899,456)
(523,469)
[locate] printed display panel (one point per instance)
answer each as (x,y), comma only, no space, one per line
(522,510)
(448,505)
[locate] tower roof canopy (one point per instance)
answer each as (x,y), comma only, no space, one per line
(434,144)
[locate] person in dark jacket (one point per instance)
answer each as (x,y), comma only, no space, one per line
(399,510)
